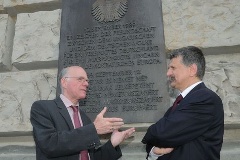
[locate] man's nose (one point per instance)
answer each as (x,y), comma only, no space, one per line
(168,73)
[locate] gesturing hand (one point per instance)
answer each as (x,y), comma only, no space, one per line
(118,137)
(106,125)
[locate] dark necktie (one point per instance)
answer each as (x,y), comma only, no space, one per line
(176,102)
(84,153)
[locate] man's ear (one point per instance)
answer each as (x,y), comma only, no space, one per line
(193,70)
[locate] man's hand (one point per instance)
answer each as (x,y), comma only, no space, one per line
(161,151)
(107,125)
(118,137)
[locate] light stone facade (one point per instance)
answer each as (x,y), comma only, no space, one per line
(206,23)
(29,46)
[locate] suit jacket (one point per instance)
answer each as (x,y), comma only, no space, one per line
(56,138)
(194,129)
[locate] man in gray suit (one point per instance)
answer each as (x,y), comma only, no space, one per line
(56,134)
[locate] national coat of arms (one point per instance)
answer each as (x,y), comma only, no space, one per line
(109,10)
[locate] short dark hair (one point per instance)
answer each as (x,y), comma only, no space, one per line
(191,55)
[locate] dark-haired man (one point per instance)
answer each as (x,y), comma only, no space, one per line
(193,128)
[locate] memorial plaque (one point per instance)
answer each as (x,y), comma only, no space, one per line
(120,43)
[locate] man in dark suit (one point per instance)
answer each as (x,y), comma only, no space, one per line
(56,124)
(192,130)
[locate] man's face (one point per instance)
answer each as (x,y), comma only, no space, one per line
(75,84)
(178,74)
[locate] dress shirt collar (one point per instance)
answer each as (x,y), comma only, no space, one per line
(187,90)
(66,101)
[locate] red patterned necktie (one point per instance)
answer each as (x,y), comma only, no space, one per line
(83,154)
(177,101)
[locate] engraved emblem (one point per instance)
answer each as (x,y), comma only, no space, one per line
(109,10)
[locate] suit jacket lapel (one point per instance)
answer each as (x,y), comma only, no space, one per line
(85,119)
(63,111)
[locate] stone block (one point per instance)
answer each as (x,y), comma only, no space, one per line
(201,23)
(1,6)
(17,93)
(36,41)
(22,147)
(221,77)
(23,6)
(6,38)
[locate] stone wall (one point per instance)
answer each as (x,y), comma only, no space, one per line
(212,25)
(29,46)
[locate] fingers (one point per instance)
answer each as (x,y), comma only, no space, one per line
(114,119)
(168,150)
(107,125)
(103,112)
(129,132)
(118,137)
(113,123)
(162,151)
(116,125)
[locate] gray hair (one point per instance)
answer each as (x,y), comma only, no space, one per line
(62,74)
(191,55)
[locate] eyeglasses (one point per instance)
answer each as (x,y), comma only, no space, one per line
(80,79)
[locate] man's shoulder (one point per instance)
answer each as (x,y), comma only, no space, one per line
(204,88)
(45,103)
(48,100)
(202,91)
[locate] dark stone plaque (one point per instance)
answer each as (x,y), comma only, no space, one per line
(120,44)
